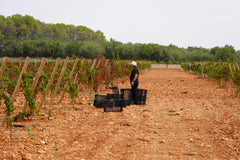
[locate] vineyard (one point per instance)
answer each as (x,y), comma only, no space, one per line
(41,80)
(222,73)
(47,111)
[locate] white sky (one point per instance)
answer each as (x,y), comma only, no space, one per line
(200,23)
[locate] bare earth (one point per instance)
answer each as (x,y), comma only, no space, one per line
(186,117)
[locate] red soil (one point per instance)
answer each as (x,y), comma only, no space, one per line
(185,117)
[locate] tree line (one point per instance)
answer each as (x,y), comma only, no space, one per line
(22,36)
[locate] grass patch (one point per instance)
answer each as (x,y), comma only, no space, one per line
(185,92)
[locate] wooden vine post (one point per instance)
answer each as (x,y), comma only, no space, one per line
(93,64)
(82,63)
(4,63)
(59,80)
(105,65)
(97,67)
(75,78)
(106,62)
(20,78)
(35,60)
(50,82)
(99,62)
(231,74)
(108,68)
(203,75)
(36,79)
(74,67)
(18,84)
(70,76)
(230,69)
(237,66)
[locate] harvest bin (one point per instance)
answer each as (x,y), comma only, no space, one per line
(115,102)
(110,102)
(99,100)
(113,105)
(127,96)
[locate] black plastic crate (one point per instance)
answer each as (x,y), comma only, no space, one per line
(100,100)
(142,96)
(115,90)
(100,96)
(114,96)
(127,96)
(126,103)
(113,105)
(99,103)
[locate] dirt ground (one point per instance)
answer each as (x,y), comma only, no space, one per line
(185,117)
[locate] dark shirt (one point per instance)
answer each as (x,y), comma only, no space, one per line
(134,71)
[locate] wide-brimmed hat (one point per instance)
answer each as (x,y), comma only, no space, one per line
(133,63)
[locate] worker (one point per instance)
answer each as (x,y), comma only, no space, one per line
(134,81)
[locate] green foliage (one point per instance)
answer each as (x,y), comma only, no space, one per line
(72,90)
(49,113)
(220,71)
(28,92)
(90,49)
(9,79)
(87,77)
(184,92)
(90,75)
(29,96)
(162,62)
(22,36)
(223,53)
(21,115)
(52,87)
(9,108)
(42,83)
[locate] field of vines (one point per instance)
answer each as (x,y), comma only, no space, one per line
(223,73)
(43,79)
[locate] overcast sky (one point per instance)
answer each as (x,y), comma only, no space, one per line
(200,23)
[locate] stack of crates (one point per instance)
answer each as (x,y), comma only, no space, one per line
(127,96)
(110,102)
(115,102)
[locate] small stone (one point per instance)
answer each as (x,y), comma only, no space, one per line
(21,146)
(28,156)
(201,154)
(225,139)
(14,156)
(41,151)
(161,141)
